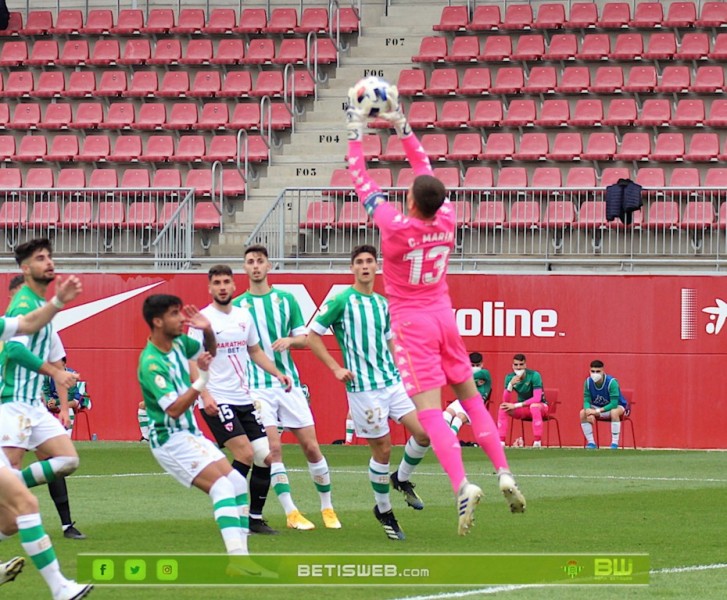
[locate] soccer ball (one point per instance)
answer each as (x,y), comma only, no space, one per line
(370,96)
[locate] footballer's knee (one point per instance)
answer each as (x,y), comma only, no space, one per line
(260,451)
(66,465)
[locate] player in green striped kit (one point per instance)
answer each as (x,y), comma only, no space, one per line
(359,318)
(280,325)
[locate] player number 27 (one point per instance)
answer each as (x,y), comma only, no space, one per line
(436,262)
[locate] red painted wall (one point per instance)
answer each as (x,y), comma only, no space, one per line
(651,331)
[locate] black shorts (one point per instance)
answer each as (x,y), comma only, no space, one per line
(233,421)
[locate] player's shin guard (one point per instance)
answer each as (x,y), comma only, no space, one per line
(322,479)
(224,502)
(379,478)
(39,548)
(444,445)
(486,434)
(45,471)
(413,454)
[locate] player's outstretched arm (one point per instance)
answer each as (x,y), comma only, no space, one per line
(66,291)
(258,356)
(395,115)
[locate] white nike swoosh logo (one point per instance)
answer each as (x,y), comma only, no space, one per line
(71,316)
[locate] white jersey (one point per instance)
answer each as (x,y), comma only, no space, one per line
(235,331)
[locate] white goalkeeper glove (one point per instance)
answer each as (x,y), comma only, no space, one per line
(395,114)
(355,119)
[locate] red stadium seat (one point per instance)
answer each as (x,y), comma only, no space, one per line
(57,116)
(592,214)
(89,115)
(214,116)
(143,84)
(319,215)
(608,80)
(601,146)
(595,46)
(641,79)
(478,178)
(703,147)
(45,52)
(166,52)
(464,49)
(44,215)
(72,179)
(708,80)
(191,21)
(345,20)
(529,47)
(662,46)
(489,215)
(714,14)
(663,214)
(567,146)
(159,148)
(291,51)
(648,15)
(25,116)
(207,216)
(19,84)
(313,19)
(485,18)
(499,146)
(583,15)
(621,112)
(517,16)
(206,84)
(550,16)
(629,46)
(563,46)
(135,178)
(689,113)
(466,146)
(51,84)
(559,214)
(174,85)
(698,215)
(126,149)
(455,114)
(435,145)
(200,180)
(719,51)
(509,80)
(497,48)
(13,54)
(651,177)
(253,20)
(113,83)
(75,53)
(371,145)
(110,214)
(245,116)
(136,52)
(674,78)
(237,84)
(352,216)
(222,148)
(681,14)
(95,148)
(324,52)
(541,80)
(655,112)
(453,18)
(694,46)
(121,115)
(40,178)
(130,22)
(611,175)
(615,15)
(268,83)
(394,151)
(588,113)
(574,80)
(199,52)
(442,82)
(81,84)
(431,49)
(164,178)
(221,21)
(488,113)
(39,22)
(229,52)
(105,53)
(12,213)
(581,177)
(68,22)
(524,214)
(546,178)
(669,147)
(260,51)
(77,215)
(553,113)
(685,178)
(717,114)
(520,113)
(475,82)
(191,148)
(533,146)
(4,115)
(634,146)
(512,178)
(412,82)
(232,183)
(142,214)
(282,20)
(64,148)
(15,23)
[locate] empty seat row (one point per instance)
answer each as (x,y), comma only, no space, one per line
(107,180)
(477,81)
(565,46)
(150,117)
(552,112)
(174,84)
(582,15)
(166,52)
(188,21)
(130,148)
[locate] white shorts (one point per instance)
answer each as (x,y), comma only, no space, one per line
(371,410)
(27,426)
(290,409)
(185,455)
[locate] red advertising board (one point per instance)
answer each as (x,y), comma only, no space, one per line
(661,336)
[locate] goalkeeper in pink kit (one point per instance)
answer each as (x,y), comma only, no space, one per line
(429,351)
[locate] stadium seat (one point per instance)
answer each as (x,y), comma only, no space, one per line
(611,175)
(485,18)
(574,80)
(435,145)
(352,216)
(449,176)
(371,145)
(198,52)
(629,46)
(488,113)
(662,46)
(268,83)
(466,146)
(291,51)
(475,82)
(674,79)
(583,15)
(105,53)
(687,178)
(159,148)
(71,179)
(453,18)
(110,214)
(136,52)
(553,113)
(15,24)
(345,20)
(713,178)
(412,82)
(601,146)
(533,146)
(68,22)
(75,53)
(191,148)
(206,84)
(39,178)
(143,84)
(463,213)
(51,84)
(95,148)
(652,177)
(717,114)
(10,179)
(232,184)
(222,148)
(64,148)
(39,22)
(253,20)
(166,52)
(669,147)
(566,146)
(703,147)
(200,180)
(44,53)
(489,215)
(478,178)
(130,22)
(581,177)
(648,15)
(655,112)
(405,177)
(541,80)
(77,215)
(442,82)
(588,113)
(44,215)
(221,21)
(237,84)
(432,49)
(608,80)
(394,151)
(595,46)
(19,84)
(713,14)
(454,114)
(301,83)
(113,83)
(464,48)
(121,115)
(509,80)
(319,215)
(663,214)
(57,116)
(245,116)
(681,14)
(517,17)
(135,178)
(497,48)
(621,112)
(546,178)
(719,51)
(89,115)
(499,146)
(13,54)
(7,147)
(592,215)
(559,214)
(512,178)
(164,178)
(550,16)
(689,113)
(142,214)
(641,79)
(174,85)
(104,179)
(694,46)
(698,215)
(562,46)
(127,148)
(614,15)
(191,21)
(282,20)
(214,116)
(708,80)
(25,116)
(4,115)
(520,113)
(313,19)
(280,117)
(81,84)
(524,214)
(229,52)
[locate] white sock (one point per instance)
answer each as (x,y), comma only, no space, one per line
(349,431)
(588,432)
(456,424)
(322,480)
(222,493)
(38,547)
(447,417)
(615,431)
(281,486)
(379,478)
(241,499)
(413,454)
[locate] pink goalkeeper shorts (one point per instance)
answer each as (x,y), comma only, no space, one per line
(428,350)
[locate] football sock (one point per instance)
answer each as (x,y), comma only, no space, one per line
(615,431)
(537,413)
(502,419)
(322,479)
(281,486)
(259,486)
(485,432)
(59,492)
(39,548)
(447,417)
(588,432)
(143,419)
(456,424)
(45,471)
(379,478)
(413,454)
(224,504)
(349,431)
(444,445)
(239,483)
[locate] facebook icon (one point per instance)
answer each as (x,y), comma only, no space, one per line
(103,569)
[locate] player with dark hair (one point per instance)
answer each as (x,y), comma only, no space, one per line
(602,400)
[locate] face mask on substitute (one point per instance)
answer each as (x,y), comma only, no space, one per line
(596,377)
(519,372)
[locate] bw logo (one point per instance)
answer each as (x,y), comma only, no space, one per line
(613,567)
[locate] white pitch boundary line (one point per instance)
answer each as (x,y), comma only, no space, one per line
(512,588)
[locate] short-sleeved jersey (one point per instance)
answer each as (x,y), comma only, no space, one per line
(163,377)
(361,325)
(8,327)
(608,395)
(483,381)
(531,381)
(234,332)
(21,384)
(276,315)
(415,252)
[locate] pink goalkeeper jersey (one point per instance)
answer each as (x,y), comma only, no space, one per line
(415,252)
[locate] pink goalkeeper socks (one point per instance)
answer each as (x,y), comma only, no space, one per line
(445,445)
(485,432)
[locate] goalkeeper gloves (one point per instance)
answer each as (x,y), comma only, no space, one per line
(355,122)
(395,115)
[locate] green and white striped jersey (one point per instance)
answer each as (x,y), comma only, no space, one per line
(276,315)
(163,377)
(19,382)
(362,328)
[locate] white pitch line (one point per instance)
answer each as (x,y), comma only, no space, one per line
(511,588)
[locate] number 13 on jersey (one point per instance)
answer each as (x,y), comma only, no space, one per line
(427,266)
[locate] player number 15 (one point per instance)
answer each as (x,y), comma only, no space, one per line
(432,271)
